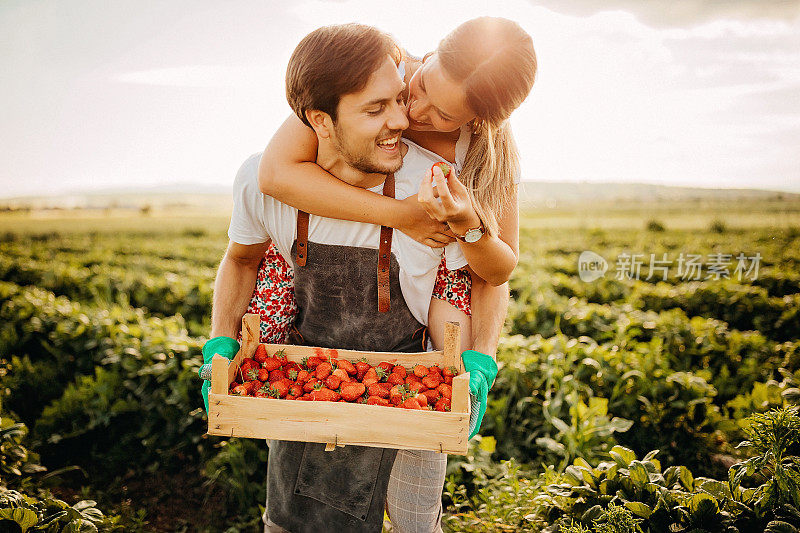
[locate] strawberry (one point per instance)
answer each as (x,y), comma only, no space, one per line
(239,390)
(379,389)
(422,400)
(446,390)
(263,374)
(443,404)
(313,362)
(323,370)
(400,370)
(303,376)
(412,378)
(420,371)
(296,390)
(310,384)
(374,400)
(333,382)
(448,380)
(262,393)
(292,374)
(370,377)
(325,395)
(246,366)
(410,403)
(341,374)
(251,374)
(279,389)
(432,396)
(387,367)
(252,386)
(431,381)
(276,375)
(261,354)
(396,394)
(351,391)
(416,386)
(395,379)
(361,369)
(348,367)
(450,371)
(444,167)
(271,363)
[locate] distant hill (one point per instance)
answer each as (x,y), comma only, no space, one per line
(554,194)
(532,194)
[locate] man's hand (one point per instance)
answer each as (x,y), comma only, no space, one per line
(422,228)
(226,347)
(482,371)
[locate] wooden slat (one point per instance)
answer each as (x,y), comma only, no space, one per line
(251,335)
(460,402)
(219,374)
(452,346)
(338,422)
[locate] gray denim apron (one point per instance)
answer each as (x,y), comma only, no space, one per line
(336,288)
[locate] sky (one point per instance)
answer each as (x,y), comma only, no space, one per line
(101,94)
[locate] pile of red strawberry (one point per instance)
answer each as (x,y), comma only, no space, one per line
(324,377)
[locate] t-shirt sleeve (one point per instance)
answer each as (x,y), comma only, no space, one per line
(454,257)
(247,221)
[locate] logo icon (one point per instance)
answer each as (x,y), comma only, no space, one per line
(591,266)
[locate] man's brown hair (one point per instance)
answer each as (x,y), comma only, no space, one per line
(333,61)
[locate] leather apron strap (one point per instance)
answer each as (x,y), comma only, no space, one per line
(384,248)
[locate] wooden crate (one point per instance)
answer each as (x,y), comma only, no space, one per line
(340,423)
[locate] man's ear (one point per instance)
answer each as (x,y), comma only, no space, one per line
(320,121)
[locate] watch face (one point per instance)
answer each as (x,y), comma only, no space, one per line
(473,235)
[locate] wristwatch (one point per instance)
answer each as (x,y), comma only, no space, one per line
(472,235)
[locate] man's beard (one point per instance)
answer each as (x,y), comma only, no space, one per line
(360,159)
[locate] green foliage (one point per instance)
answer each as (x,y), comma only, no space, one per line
(240,468)
(16,461)
(99,346)
(774,438)
(44,513)
(133,390)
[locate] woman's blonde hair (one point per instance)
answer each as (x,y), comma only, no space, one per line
(494,60)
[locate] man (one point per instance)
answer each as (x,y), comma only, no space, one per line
(342,81)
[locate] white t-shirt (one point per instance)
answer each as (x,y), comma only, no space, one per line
(257,217)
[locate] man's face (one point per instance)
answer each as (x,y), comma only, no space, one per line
(367,130)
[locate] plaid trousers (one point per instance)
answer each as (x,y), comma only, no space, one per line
(414,494)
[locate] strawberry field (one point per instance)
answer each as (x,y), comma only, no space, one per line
(621,404)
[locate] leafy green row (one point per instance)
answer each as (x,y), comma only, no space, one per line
(119,384)
(165,294)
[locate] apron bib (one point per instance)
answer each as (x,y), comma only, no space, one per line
(337,293)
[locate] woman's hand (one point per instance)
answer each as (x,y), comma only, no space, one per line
(449,202)
(422,228)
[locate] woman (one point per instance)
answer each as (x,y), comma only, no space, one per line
(459,99)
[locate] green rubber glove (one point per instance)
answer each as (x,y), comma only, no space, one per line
(482,371)
(226,347)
